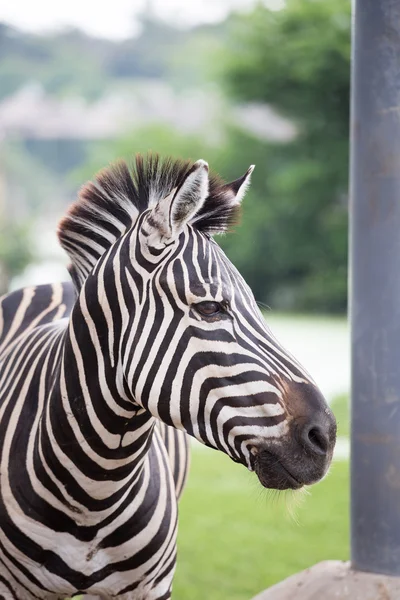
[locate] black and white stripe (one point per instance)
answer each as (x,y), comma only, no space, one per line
(98,387)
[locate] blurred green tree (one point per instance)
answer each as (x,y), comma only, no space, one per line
(16,225)
(15,251)
(298,61)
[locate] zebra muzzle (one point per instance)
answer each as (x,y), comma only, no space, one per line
(301,458)
(272,473)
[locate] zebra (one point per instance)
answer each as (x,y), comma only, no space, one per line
(101,383)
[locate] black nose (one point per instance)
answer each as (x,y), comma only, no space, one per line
(316,438)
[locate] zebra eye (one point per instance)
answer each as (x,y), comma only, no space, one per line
(208,309)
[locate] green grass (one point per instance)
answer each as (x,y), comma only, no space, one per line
(236,539)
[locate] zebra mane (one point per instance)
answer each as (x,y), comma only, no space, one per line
(108,206)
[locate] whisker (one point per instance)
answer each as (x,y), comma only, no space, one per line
(263,305)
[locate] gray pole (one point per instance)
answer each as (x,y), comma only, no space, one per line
(375,287)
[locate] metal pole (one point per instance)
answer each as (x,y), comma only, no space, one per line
(375,287)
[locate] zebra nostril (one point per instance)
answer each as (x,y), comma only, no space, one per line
(315,439)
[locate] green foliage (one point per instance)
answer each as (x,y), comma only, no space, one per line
(235,539)
(148,54)
(73,63)
(15,247)
(298,60)
(158,137)
(195,58)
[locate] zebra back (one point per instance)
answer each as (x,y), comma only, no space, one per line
(30,307)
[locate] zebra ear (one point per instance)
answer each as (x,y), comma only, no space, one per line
(238,188)
(170,214)
(189,197)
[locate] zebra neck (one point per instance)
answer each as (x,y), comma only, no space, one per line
(96,441)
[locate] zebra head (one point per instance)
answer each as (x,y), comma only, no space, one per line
(193,347)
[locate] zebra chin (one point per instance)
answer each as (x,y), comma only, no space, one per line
(275,472)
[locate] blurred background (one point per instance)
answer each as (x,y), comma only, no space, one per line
(234,82)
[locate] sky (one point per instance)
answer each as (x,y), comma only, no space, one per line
(115,19)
